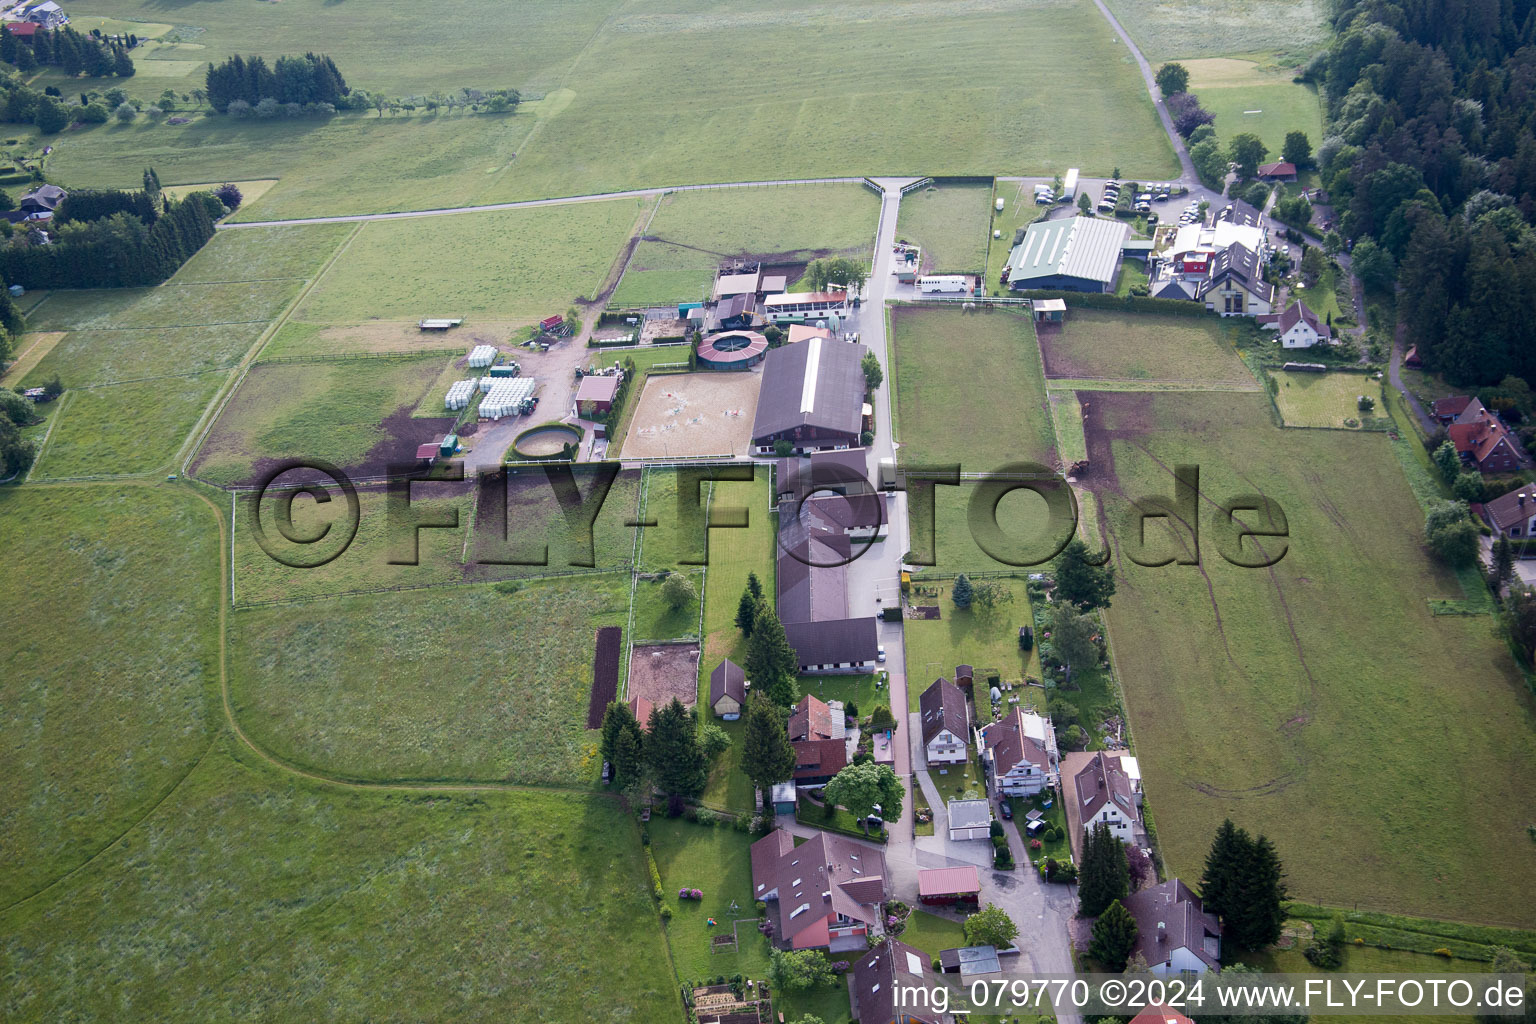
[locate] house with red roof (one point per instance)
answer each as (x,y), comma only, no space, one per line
(1020,754)
(820,740)
(873,983)
(1483,441)
(1280,170)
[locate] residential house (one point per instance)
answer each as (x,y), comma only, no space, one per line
(22,30)
(1513,515)
(1174,932)
(48,15)
(1236,285)
(1484,442)
(728,690)
(1299,327)
(1104,791)
(1020,754)
(819,736)
(1278,171)
(1447,409)
(945,722)
(874,979)
(823,894)
(43,199)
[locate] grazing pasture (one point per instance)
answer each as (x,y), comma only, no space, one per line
(287,252)
(1103,346)
(951,223)
(1328,665)
(529,264)
(1230,89)
(109,355)
(452,683)
(172,304)
(1325,399)
(1175,29)
(296,895)
(969,389)
(356,415)
(121,429)
(111,597)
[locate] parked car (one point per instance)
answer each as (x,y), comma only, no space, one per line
(1045,198)
(1005,809)
(880,653)
(1151,220)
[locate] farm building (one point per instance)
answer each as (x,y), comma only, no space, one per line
(881,975)
(840,472)
(594,397)
(1078,254)
(1049,311)
(812,596)
(728,314)
(946,885)
(797,307)
(732,350)
(43,199)
(727,690)
(727,285)
(970,819)
(812,396)
(441,324)
(804,332)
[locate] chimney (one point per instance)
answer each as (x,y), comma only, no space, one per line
(1522,501)
(1162,932)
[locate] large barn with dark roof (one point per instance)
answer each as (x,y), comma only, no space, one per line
(812,396)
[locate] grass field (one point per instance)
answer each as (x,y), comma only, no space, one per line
(718,861)
(642,286)
(356,163)
(961,103)
(333,411)
(171,305)
(1325,399)
(1329,666)
(1231,88)
(530,264)
(655,619)
(1201,28)
(259,254)
(108,356)
(125,428)
(447,683)
(985,639)
(295,898)
(951,223)
(111,596)
(1093,344)
(1019,211)
(969,389)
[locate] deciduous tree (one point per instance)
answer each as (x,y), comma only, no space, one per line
(990,927)
(1297,149)
(1172,78)
(1247,150)
(677,590)
(795,970)
(859,787)
(1072,637)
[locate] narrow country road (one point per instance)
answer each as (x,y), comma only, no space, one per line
(1426,421)
(635,193)
(1187,167)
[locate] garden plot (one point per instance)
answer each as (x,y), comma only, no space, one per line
(660,673)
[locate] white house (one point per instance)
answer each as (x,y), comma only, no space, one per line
(943,711)
(1020,754)
(47,14)
(1299,327)
(1105,792)
(1173,931)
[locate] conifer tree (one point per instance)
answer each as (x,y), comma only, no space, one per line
(672,752)
(1114,936)
(771,663)
(766,755)
(1104,877)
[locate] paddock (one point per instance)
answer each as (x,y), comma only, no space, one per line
(687,415)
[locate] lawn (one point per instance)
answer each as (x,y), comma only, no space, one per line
(529,264)
(716,859)
(951,223)
(969,389)
(954,539)
(122,429)
(1325,399)
(641,286)
(1019,212)
(294,251)
(987,640)
(453,555)
(733,554)
(457,683)
(348,164)
(656,620)
(959,781)
(347,413)
(1322,297)
(1199,28)
(931,933)
(253,895)
(1099,345)
(1329,666)
(1261,99)
(110,646)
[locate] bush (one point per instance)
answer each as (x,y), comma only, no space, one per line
(125,112)
(1323,955)
(666,912)
(93,113)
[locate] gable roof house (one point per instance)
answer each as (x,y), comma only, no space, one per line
(812,396)
(824,894)
(1299,327)
(1236,285)
(48,15)
(820,739)
(1173,931)
(1277,171)
(1484,442)
(873,981)
(1513,515)
(1447,409)
(43,199)
(1103,791)
(945,723)
(728,690)
(1020,754)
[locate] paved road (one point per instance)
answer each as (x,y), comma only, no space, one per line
(526,203)
(1188,175)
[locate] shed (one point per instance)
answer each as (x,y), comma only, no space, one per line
(970,819)
(782,796)
(773,284)
(428,451)
(448,445)
(967,961)
(551,323)
(727,690)
(439,324)
(596,394)
(946,885)
(1049,310)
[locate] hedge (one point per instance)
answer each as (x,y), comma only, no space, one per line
(1128,304)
